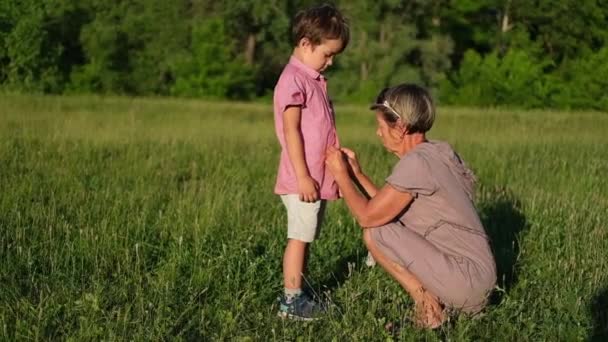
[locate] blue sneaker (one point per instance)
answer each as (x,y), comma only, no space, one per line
(301,308)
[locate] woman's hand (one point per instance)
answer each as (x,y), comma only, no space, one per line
(352,160)
(335,161)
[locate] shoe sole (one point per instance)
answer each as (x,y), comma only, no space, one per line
(370,261)
(285,315)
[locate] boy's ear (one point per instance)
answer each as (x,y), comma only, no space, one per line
(304,42)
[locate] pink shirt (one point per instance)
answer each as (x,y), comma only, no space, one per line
(300,85)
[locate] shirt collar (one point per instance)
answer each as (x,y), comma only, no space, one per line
(305,68)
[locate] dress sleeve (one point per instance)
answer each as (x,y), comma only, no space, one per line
(290,92)
(413,174)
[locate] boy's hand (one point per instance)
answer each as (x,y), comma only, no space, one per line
(308,189)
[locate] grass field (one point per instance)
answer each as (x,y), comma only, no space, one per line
(153,219)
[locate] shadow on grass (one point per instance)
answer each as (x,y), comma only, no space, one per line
(599,311)
(504,223)
(344,267)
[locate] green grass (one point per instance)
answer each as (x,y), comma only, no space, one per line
(151,219)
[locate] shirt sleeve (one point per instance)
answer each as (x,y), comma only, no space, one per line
(413,174)
(290,92)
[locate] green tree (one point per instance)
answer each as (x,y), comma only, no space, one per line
(158,33)
(211,70)
(494,52)
(583,82)
(564,29)
(129,46)
(260,30)
(471,24)
(37,43)
(388,46)
(106,50)
(515,79)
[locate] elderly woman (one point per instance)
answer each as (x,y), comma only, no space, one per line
(421,226)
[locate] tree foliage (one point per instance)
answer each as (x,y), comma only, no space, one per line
(484,52)
(209,70)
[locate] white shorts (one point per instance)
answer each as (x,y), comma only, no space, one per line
(303,219)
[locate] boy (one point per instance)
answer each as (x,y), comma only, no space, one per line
(305,127)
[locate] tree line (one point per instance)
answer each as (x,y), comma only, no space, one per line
(531,54)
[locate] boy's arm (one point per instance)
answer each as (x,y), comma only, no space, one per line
(308,188)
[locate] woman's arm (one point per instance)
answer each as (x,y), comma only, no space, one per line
(363,182)
(377,211)
(380,209)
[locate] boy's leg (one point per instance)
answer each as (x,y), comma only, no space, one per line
(293,264)
(303,220)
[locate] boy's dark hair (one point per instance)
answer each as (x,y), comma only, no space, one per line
(320,23)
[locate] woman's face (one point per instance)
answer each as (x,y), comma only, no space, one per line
(390,136)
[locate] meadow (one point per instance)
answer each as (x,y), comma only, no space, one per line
(154,219)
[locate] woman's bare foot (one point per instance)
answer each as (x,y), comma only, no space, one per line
(428,311)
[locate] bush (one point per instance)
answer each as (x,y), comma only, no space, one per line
(211,70)
(515,79)
(29,57)
(584,81)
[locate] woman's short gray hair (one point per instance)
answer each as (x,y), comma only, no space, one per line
(408,102)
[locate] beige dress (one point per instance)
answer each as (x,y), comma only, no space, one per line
(439,236)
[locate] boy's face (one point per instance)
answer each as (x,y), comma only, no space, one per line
(320,57)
